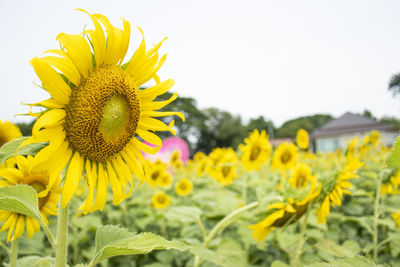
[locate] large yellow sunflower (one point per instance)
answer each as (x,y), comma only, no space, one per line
(285,156)
(8,132)
(256,151)
(25,171)
(97,111)
(337,188)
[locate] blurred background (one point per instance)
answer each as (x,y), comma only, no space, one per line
(238,65)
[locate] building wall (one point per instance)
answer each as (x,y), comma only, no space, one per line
(332,143)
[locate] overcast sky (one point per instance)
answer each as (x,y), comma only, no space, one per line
(280,59)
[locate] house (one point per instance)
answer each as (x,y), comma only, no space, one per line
(339,132)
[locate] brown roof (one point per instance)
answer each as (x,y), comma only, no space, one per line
(350,123)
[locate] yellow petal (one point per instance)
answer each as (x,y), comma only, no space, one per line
(72,179)
(78,51)
(51,80)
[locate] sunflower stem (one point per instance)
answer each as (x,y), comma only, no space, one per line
(48,233)
(14,253)
(62,237)
(5,248)
(301,238)
(376,218)
(222,224)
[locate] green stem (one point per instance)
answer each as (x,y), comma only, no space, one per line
(244,190)
(14,253)
(376,218)
(62,237)
(5,248)
(48,233)
(202,228)
(301,238)
(221,225)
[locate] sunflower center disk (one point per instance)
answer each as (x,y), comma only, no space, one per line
(103,114)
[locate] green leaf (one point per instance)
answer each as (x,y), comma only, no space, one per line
(278,263)
(393,160)
(214,257)
(334,249)
(9,149)
(347,262)
(20,199)
(184,214)
(35,261)
(114,241)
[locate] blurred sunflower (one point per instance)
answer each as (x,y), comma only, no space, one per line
(8,132)
(184,187)
(255,151)
(225,169)
(199,156)
(201,167)
(391,183)
(283,213)
(301,176)
(155,173)
(26,171)
(302,139)
(351,148)
(396,218)
(337,188)
(165,180)
(160,200)
(285,156)
(97,110)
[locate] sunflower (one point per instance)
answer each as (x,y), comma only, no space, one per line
(302,139)
(201,167)
(285,156)
(97,111)
(256,150)
(391,183)
(337,188)
(224,168)
(8,132)
(165,180)
(396,218)
(156,171)
(301,176)
(25,171)
(199,156)
(184,187)
(160,200)
(351,148)
(284,213)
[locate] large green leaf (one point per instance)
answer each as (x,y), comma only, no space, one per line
(10,149)
(114,241)
(20,199)
(393,160)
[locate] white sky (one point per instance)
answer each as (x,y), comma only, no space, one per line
(280,59)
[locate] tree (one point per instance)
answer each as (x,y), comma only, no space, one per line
(394,84)
(308,123)
(261,124)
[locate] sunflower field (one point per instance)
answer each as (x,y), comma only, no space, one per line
(95,185)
